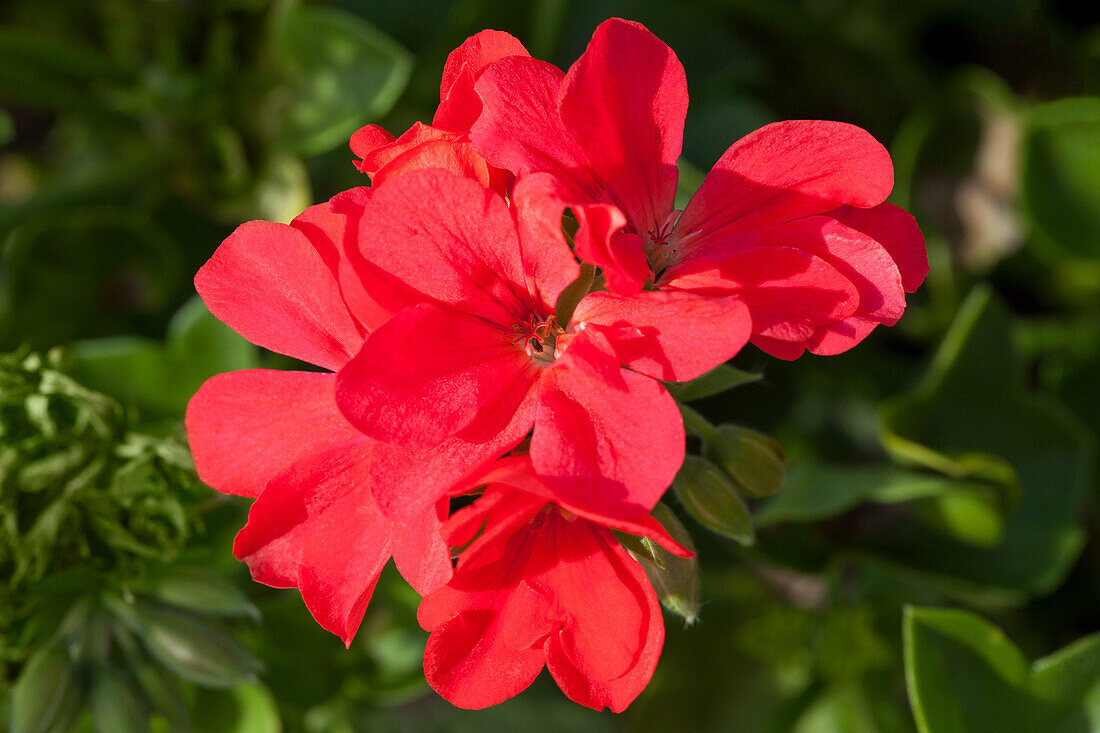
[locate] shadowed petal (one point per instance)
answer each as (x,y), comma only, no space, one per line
(605,628)
(517,472)
(897,231)
(789,292)
(332,228)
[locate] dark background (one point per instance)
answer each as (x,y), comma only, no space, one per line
(946,462)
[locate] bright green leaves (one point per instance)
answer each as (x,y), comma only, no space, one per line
(1061,174)
(972,420)
(964,676)
(86,507)
(75,482)
(344,74)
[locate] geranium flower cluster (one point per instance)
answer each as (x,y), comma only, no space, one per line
(495,316)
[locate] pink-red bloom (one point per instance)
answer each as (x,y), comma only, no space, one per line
(478,354)
(539,586)
(791,219)
(456,325)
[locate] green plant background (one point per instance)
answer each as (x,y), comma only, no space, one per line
(931,562)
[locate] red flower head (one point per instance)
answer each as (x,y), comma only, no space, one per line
(791,218)
(480,357)
(522,598)
(444,144)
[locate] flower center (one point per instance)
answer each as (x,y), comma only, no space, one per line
(658,251)
(539,338)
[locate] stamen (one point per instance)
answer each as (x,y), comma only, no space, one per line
(539,338)
(658,251)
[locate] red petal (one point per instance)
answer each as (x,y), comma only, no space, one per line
(419,551)
(431,373)
(517,472)
(246,427)
(459,105)
(269,284)
(669,335)
(520,129)
(366,140)
(486,627)
(897,231)
(424,147)
(601,632)
(601,241)
(789,292)
(500,512)
(316,528)
(621,623)
(606,439)
(451,240)
(538,202)
(332,228)
(624,103)
(784,171)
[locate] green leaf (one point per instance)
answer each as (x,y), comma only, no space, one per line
(199,591)
(1061,174)
(195,650)
(970,421)
(708,496)
(47,696)
(114,705)
(963,675)
(676,579)
(247,708)
(850,707)
(160,378)
(716,381)
(164,694)
(754,461)
(345,74)
(817,491)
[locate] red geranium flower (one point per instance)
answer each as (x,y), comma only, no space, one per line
(791,218)
(278,436)
(445,143)
(479,355)
(541,586)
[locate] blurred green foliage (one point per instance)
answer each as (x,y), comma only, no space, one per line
(945,466)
